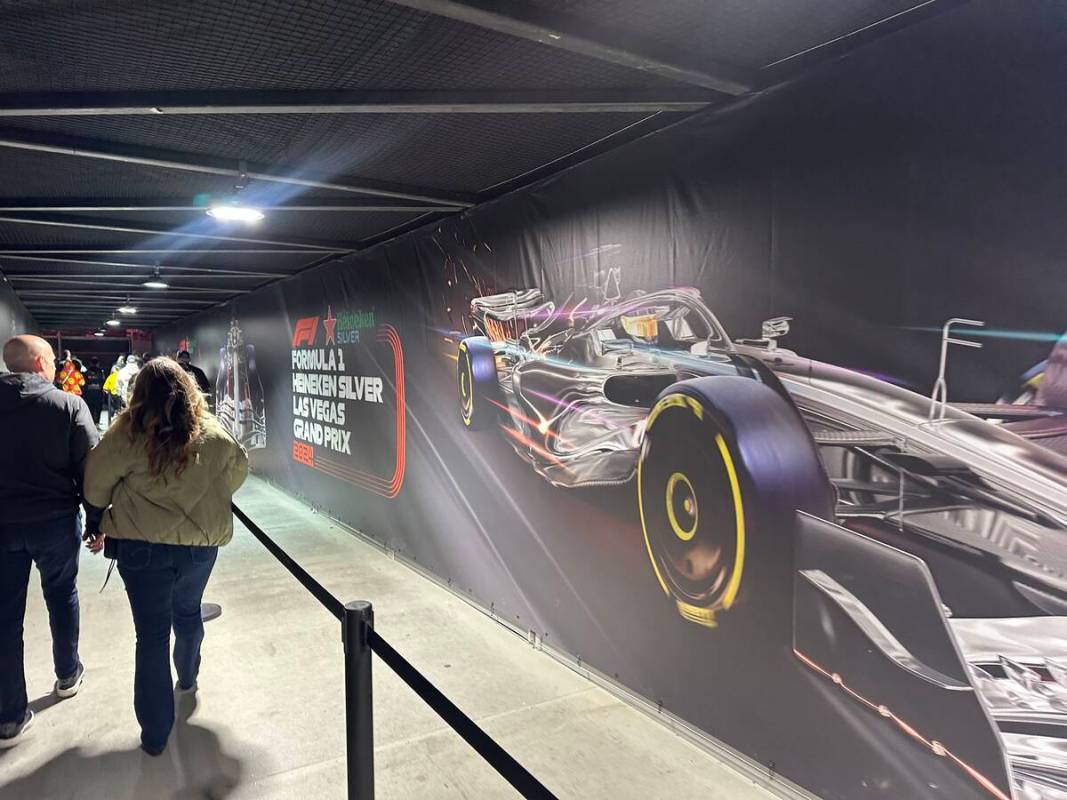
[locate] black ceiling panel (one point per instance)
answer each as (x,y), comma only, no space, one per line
(272,44)
(281,226)
(44,175)
(461,152)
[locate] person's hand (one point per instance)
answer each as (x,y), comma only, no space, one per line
(95,543)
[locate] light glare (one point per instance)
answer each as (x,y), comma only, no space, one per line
(226,212)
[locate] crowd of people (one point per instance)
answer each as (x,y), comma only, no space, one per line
(152,492)
(112,391)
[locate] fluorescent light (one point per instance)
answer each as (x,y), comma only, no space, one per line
(114,323)
(155,283)
(234,212)
(127,310)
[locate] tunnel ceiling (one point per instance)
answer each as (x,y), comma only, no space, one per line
(346,122)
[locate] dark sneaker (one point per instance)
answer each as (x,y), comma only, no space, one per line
(68,687)
(11,732)
(152,750)
(181,690)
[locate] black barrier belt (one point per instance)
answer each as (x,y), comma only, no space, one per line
(500,760)
(331,603)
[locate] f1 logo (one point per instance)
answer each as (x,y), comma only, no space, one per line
(305,331)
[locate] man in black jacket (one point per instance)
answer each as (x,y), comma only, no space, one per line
(93,391)
(198,374)
(45,437)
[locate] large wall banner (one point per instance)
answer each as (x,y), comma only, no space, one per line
(672,411)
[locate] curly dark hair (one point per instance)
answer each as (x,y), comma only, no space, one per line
(167,409)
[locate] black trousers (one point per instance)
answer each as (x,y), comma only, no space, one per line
(94,398)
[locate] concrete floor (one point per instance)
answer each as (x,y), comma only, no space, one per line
(268,722)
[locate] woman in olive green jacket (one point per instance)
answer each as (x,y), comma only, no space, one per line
(166,472)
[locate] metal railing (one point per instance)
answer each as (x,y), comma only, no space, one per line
(360,640)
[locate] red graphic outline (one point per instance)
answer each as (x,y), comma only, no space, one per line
(386,487)
(935,747)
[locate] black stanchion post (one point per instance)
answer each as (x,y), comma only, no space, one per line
(359,708)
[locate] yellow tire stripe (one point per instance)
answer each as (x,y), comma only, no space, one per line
(644,528)
(734,585)
(470,384)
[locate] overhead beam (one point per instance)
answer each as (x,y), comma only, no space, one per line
(72,280)
(111,295)
(186,162)
(216,103)
(94,303)
(45,302)
(99,310)
(783,68)
(143,251)
(48,297)
(94,205)
(95,318)
(96,276)
(151,267)
(96,321)
(118,227)
(642,127)
(527,22)
(104,307)
(96,308)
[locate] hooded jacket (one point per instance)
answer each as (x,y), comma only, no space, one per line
(124,380)
(192,508)
(45,436)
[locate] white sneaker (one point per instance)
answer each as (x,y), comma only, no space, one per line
(12,732)
(70,686)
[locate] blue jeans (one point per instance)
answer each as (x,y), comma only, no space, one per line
(165,584)
(52,545)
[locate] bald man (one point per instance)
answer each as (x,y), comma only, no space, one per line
(45,437)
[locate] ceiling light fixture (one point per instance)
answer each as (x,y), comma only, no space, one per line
(114,323)
(98,333)
(156,281)
(231,209)
(235,212)
(127,310)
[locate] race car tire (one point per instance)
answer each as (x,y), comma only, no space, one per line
(478,382)
(725,464)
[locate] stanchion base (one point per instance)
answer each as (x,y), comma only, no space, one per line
(210,611)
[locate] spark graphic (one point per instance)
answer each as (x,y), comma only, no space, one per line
(541,427)
(533,446)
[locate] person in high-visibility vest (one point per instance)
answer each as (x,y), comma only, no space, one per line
(70,378)
(111,389)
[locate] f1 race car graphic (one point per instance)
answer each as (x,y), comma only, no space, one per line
(727,440)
